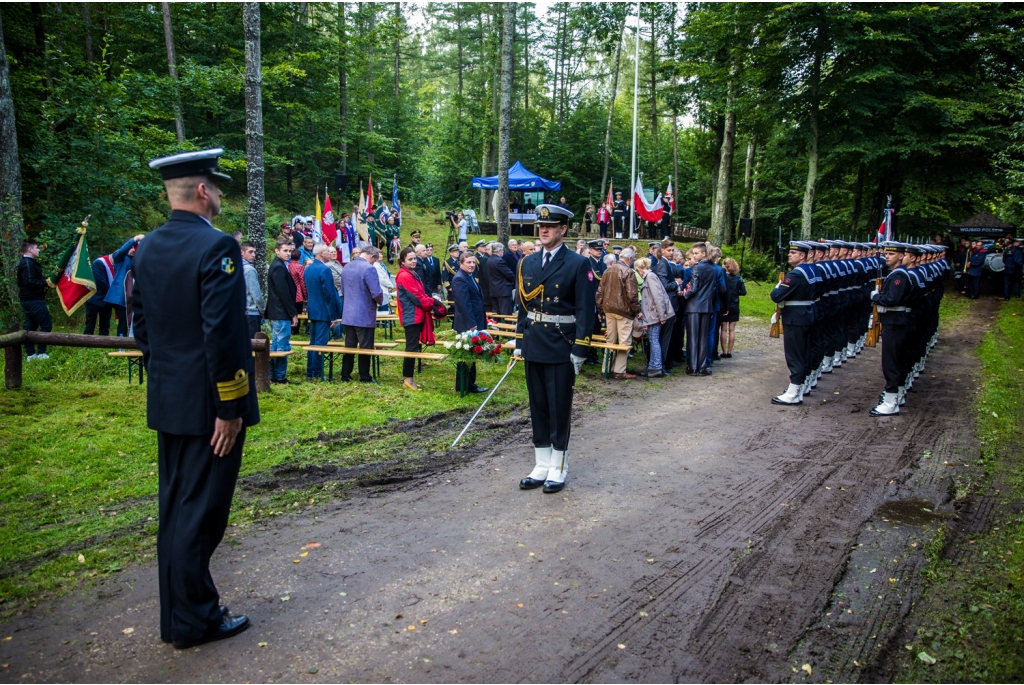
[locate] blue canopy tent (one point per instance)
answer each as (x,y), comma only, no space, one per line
(519,178)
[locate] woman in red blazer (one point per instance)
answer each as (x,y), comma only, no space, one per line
(414,312)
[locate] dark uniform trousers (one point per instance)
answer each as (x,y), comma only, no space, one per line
(196,488)
(796,344)
(697,327)
(550,387)
(894,351)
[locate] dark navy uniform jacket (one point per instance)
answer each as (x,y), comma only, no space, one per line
(564,288)
(897,291)
(798,287)
(189,321)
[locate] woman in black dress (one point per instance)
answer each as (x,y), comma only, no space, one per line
(734,289)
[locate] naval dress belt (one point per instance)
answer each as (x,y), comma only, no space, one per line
(550,318)
(796,303)
(883,310)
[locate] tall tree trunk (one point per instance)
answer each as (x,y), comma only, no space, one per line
(611,109)
(505,119)
(172,67)
(748,175)
(526,58)
(398,45)
(721,217)
(483,193)
(753,203)
(858,195)
(654,78)
(343,86)
(675,156)
(458,33)
(369,77)
(12,227)
(88,33)
(257,210)
(716,161)
(812,151)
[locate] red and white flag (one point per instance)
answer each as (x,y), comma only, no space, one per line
(670,198)
(329,227)
(646,210)
(885,228)
(610,199)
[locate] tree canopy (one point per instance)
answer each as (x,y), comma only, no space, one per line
(836,105)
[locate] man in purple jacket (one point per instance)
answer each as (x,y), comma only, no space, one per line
(361,289)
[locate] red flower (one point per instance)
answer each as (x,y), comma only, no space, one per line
(476,339)
(477,349)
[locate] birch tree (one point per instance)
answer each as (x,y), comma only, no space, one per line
(172,68)
(505,119)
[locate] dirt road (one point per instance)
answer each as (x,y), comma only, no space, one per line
(702,537)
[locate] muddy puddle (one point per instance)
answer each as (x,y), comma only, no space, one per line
(909,512)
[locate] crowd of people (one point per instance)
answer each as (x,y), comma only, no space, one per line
(969,264)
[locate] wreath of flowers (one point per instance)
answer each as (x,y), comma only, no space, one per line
(473,346)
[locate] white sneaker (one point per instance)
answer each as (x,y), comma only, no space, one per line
(30,358)
(42,355)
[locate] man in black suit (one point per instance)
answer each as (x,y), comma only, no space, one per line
(189,318)
(556,317)
(469,314)
(433,282)
(699,307)
(499,280)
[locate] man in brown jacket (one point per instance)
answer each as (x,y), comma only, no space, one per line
(618,297)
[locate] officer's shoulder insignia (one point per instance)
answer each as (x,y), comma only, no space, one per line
(227,265)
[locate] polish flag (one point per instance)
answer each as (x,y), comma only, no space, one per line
(329,227)
(670,198)
(646,211)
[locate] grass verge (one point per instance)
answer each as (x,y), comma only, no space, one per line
(972,604)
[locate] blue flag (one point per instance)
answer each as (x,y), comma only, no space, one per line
(395,206)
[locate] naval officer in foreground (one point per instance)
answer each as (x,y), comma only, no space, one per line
(189,306)
(555,289)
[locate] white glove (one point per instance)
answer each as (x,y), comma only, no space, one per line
(577,362)
(775,318)
(517,352)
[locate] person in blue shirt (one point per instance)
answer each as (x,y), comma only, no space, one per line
(323,307)
(975,265)
(118,291)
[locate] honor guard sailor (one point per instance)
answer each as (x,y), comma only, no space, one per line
(189,319)
(896,316)
(556,317)
(795,295)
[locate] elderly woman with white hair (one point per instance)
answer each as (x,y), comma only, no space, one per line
(655,310)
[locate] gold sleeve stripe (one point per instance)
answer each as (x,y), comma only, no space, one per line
(232,390)
(585,342)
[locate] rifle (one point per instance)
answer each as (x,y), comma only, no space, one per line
(776,329)
(875,332)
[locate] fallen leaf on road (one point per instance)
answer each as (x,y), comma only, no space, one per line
(926,657)
(128,631)
(411,628)
(343,594)
(304,554)
(643,614)
(423,621)
(296,561)
(621,646)
(873,570)
(518,605)
(650,561)
(532,554)
(81,558)
(807,668)
(398,617)
(286,598)
(11,637)
(262,644)
(312,545)
(454,631)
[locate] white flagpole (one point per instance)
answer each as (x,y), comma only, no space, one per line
(636,93)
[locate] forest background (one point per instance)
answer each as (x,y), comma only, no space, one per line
(804,116)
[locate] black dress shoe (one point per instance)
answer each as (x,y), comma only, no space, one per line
(551,486)
(229,627)
(478,389)
(530,483)
(705,372)
(223,615)
(656,373)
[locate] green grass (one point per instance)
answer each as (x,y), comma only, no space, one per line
(971,614)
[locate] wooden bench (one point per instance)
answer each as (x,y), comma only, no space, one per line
(610,351)
(330,351)
(134,359)
(376,345)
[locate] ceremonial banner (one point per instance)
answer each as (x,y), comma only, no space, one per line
(73,279)
(885,228)
(329,228)
(359,220)
(317,221)
(610,200)
(395,204)
(645,210)
(670,198)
